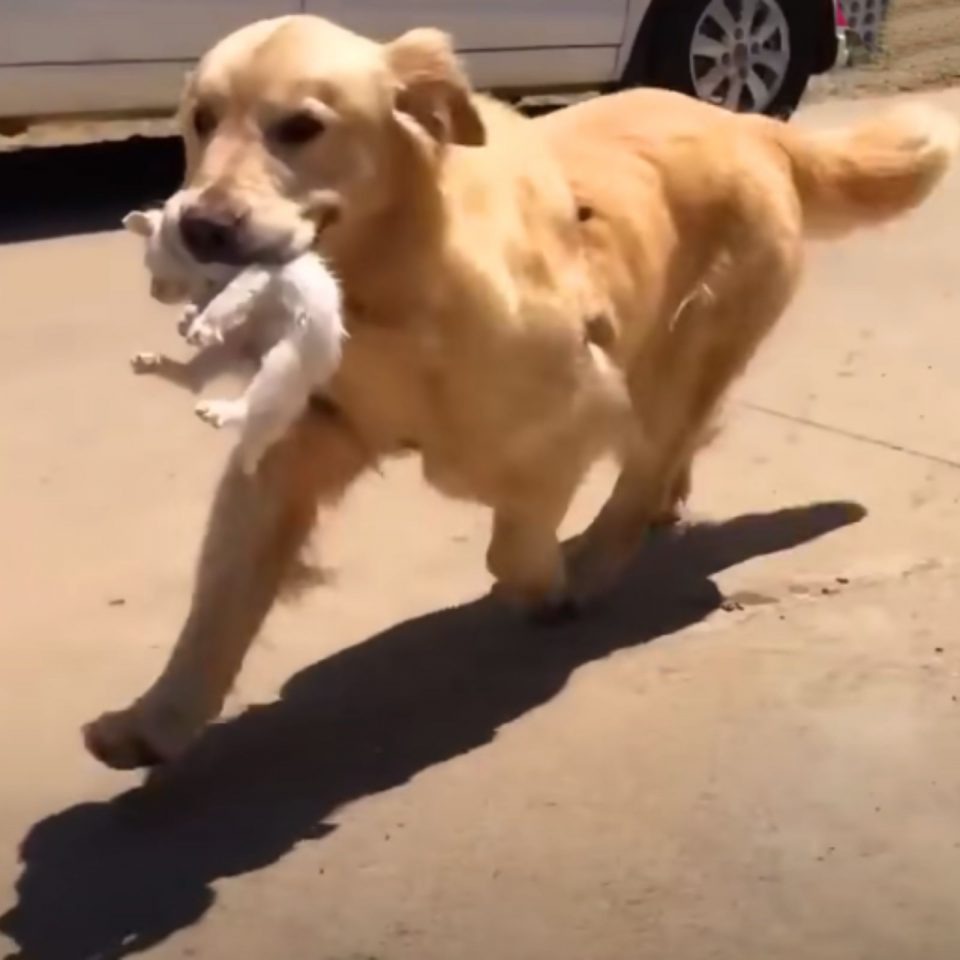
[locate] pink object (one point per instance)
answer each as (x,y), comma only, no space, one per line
(841,17)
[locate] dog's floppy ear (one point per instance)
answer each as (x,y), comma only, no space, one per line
(143,223)
(433,89)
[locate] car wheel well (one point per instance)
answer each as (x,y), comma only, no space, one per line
(638,69)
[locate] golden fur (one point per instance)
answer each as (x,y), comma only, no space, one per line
(523,296)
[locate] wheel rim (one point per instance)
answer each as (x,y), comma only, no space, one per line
(740,53)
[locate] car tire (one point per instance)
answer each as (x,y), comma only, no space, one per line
(708,49)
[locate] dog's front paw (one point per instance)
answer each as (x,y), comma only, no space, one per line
(146,362)
(137,737)
(556,612)
(221,413)
(593,569)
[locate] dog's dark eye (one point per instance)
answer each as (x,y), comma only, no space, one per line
(297,129)
(204,121)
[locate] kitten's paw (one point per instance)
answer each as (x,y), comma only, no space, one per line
(146,362)
(221,413)
(190,313)
(203,333)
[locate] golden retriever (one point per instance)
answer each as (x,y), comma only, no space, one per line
(523,296)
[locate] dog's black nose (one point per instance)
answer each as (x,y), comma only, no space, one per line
(211,236)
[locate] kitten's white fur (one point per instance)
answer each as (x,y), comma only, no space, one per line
(296,314)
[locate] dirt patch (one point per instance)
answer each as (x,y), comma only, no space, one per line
(919,48)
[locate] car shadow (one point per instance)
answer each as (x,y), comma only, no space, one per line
(107,879)
(57,191)
(48,192)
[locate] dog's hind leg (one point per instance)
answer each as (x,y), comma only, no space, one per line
(256,530)
(678,489)
(676,389)
(676,495)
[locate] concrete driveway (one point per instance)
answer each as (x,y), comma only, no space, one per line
(751,754)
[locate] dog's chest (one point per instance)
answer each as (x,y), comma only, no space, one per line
(450,478)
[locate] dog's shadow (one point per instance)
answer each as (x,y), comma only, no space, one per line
(103,880)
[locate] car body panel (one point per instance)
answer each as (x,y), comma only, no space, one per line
(110,31)
(480,25)
(129,56)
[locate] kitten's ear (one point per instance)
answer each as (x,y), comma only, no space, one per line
(433,91)
(143,223)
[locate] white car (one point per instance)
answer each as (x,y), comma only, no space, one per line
(70,57)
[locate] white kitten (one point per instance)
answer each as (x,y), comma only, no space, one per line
(291,313)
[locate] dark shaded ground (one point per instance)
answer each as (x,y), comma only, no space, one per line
(68,190)
(104,880)
(52,191)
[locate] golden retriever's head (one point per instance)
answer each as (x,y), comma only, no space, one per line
(295,125)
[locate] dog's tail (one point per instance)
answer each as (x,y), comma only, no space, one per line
(873,172)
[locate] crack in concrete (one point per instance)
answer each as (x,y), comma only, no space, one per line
(850,434)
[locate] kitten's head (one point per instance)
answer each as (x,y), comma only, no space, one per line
(169,282)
